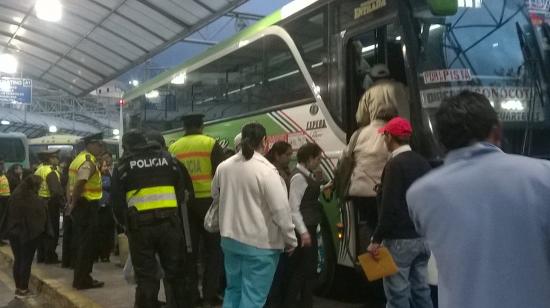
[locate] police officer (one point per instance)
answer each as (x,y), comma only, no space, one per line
(148,188)
(4,193)
(201,155)
(52,193)
(85,191)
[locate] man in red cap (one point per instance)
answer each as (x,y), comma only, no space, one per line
(395,230)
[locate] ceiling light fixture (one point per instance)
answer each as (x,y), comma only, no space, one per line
(49,10)
(8,63)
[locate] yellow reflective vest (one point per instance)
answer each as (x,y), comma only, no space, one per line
(194,151)
(43,171)
(92,188)
(4,186)
(150,198)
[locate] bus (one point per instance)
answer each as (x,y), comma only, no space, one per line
(67,145)
(301,72)
(14,149)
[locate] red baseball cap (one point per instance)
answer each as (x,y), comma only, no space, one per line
(398,127)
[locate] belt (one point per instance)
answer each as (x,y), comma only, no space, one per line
(156,215)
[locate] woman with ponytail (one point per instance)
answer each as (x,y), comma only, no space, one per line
(255,220)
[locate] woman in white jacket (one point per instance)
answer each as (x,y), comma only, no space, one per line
(255,220)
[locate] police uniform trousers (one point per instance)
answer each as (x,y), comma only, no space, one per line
(68,245)
(105,232)
(158,232)
(84,217)
(207,246)
(46,248)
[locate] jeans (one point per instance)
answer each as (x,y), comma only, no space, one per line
(23,254)
(408,287)
(249,273)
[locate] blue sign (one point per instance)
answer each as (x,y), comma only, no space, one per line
(15,90)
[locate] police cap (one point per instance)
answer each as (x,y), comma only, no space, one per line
(92,138)
(133,138)
(193,120)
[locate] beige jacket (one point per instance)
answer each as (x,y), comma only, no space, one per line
(382,93)
(370,155)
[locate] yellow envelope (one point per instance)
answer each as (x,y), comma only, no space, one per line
(376,269)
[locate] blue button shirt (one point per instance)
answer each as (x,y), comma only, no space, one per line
(486,217)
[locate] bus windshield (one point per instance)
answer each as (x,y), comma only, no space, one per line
(12,150)
(489,47)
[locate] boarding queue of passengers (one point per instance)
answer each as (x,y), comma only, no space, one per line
(252,222)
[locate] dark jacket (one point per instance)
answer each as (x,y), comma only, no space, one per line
(399,173)
(27,216)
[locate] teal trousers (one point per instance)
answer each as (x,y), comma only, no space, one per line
(249,272)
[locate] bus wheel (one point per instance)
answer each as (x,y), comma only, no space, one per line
(327,260)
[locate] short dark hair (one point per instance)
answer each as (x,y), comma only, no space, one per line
(401,140)
(307,151)
(279,148)
(465,118)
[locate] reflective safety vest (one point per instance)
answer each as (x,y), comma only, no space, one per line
(194,151)
(43,171)
(92,189)
(4,186)
(150,198)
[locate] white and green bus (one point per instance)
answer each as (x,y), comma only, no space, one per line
(301,70)
(14,149)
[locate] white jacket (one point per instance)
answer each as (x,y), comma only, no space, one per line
(253,203)
(370,156)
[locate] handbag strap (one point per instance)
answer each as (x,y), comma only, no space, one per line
(353,141)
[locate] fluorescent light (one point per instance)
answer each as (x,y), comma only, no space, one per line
(116,132)
(5,122)
(434,27)
(512,105)
(295,6)
(17,19)
(8,63)
(48,10)
(179,78)
(398,38)
(369,48)
(52,129)
(134,82)
(152,94)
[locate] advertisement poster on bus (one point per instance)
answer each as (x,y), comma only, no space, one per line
(510,102)
(539,11)
(15,90)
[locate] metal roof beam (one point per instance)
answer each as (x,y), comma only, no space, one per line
(39,32)
(204,6)
(85,37)
(199,41)
(56,53)
(243,15)
(169,43)
(129,20)
(78,16)
(164,13)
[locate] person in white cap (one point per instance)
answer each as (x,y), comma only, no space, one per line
(383,92)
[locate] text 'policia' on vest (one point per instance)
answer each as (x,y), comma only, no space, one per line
(149,177)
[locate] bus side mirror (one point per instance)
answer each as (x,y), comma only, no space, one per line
(443,7)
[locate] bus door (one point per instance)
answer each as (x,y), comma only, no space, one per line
(364,48)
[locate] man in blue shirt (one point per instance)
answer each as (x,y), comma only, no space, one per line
(485,214)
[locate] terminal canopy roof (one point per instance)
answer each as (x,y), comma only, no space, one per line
(97,40)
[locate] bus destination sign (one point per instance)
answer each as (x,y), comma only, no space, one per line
(368,7)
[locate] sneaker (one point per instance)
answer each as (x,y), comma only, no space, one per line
(23,294)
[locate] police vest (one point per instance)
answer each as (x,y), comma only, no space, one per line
(4,186)
(149,178)
(92,188)
(43,171)
(194,151)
